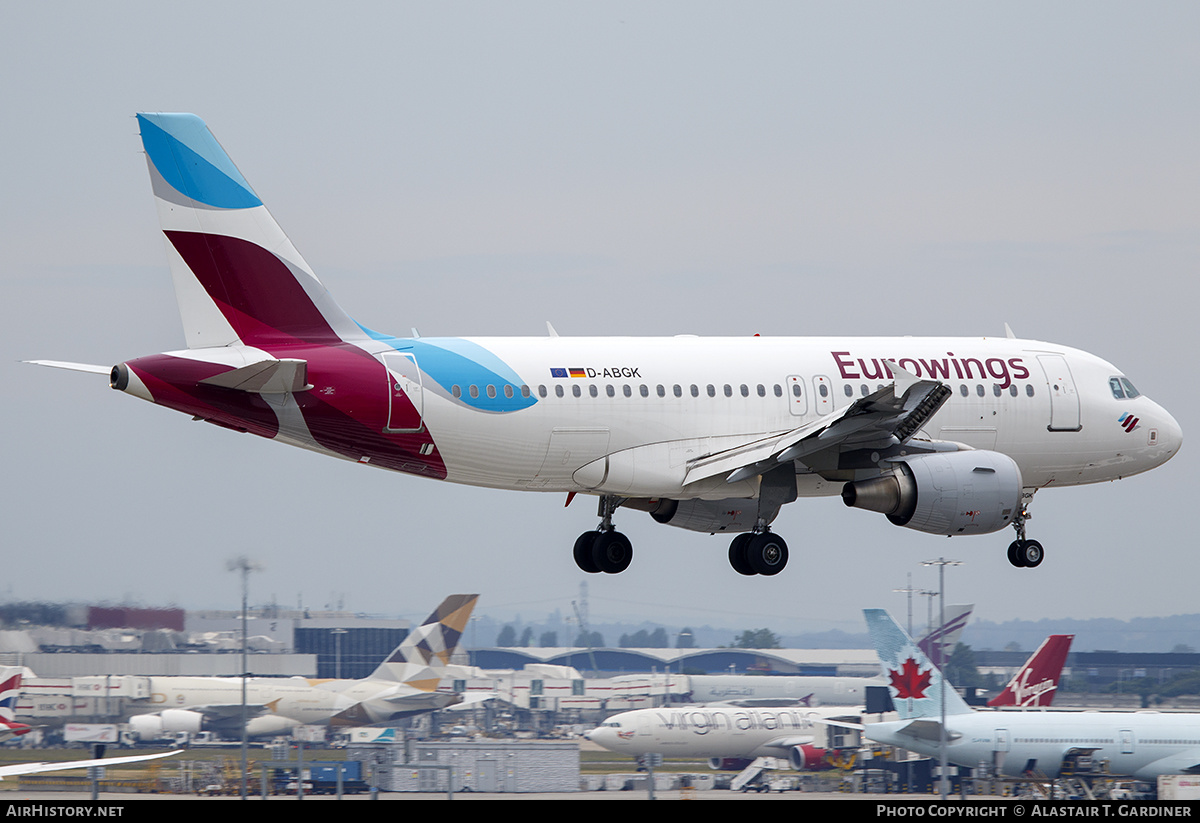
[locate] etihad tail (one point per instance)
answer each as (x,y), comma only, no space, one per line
(421,659)
(916,685)
(1037,681)
(238,278)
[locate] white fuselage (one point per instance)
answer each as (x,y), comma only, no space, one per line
(653,404)
(710,731)
(804,690)
(304,701)
(1140,744)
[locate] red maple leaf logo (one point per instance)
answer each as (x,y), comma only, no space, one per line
(910,681)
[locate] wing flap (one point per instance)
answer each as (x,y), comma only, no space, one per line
(889,416)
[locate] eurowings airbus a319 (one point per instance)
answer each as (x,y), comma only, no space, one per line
(945,436)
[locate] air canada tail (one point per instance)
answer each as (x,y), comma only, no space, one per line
(423,656)
(238,278)
(916,685)
(1037,681)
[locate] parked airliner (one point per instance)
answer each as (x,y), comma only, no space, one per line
(945,436)
(1139,744)
(404,684)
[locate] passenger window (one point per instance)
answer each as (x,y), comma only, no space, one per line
(1029,389)
(491,390)
(728,390)
(979,389)
(779,390)
(609,390)
(695,390)
(592,390)
(558,391)
(473,391)
(849,390)
(996,389)
(678,390)
(456,390)
(745,390)
(628,392)
(541,391)
(525,391)
(661,390)
(575,391)
(644,390)
(762,390)
(508,392)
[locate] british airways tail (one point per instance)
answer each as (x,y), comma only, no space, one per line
(238,278)
(420,661)
(10,690)
(1037,681)
(916,685)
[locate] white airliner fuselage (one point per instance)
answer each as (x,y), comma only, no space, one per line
(945,436)
(718,732)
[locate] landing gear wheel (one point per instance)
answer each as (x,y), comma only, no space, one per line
(583,552)
(1026,554)
(1032,554)
(612,552)
(767,553)
(737,554)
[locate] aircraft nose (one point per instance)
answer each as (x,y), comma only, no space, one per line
(1170,435)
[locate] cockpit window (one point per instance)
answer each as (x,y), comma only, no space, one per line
(1122,389)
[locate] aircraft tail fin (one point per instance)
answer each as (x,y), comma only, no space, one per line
(10,690)
(940,642)
(1037,681)
(421,659)
(238,278)
(916,685)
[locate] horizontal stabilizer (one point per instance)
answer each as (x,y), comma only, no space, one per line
(64,364)
(266,377)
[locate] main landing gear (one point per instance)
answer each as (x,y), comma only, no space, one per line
(758,553)
(1022,553)
(605,549)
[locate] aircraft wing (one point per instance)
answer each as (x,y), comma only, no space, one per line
(1184,762)
(35,768)
(887,417)
(785,743)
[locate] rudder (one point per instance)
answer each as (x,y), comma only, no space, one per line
(238,279)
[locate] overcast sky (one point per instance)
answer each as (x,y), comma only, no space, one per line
(616,168)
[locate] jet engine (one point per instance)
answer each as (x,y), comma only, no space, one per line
(165,723)
(731,515)
(949,493)
(807,759)
(728,764)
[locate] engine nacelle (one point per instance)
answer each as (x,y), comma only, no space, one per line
(165,723)
(808,759)
(949,493)
(732,515)
(728,764)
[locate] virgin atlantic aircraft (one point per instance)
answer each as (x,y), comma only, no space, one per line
(945,436)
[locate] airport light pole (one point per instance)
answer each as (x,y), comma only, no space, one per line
(941,563)
(244,565)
